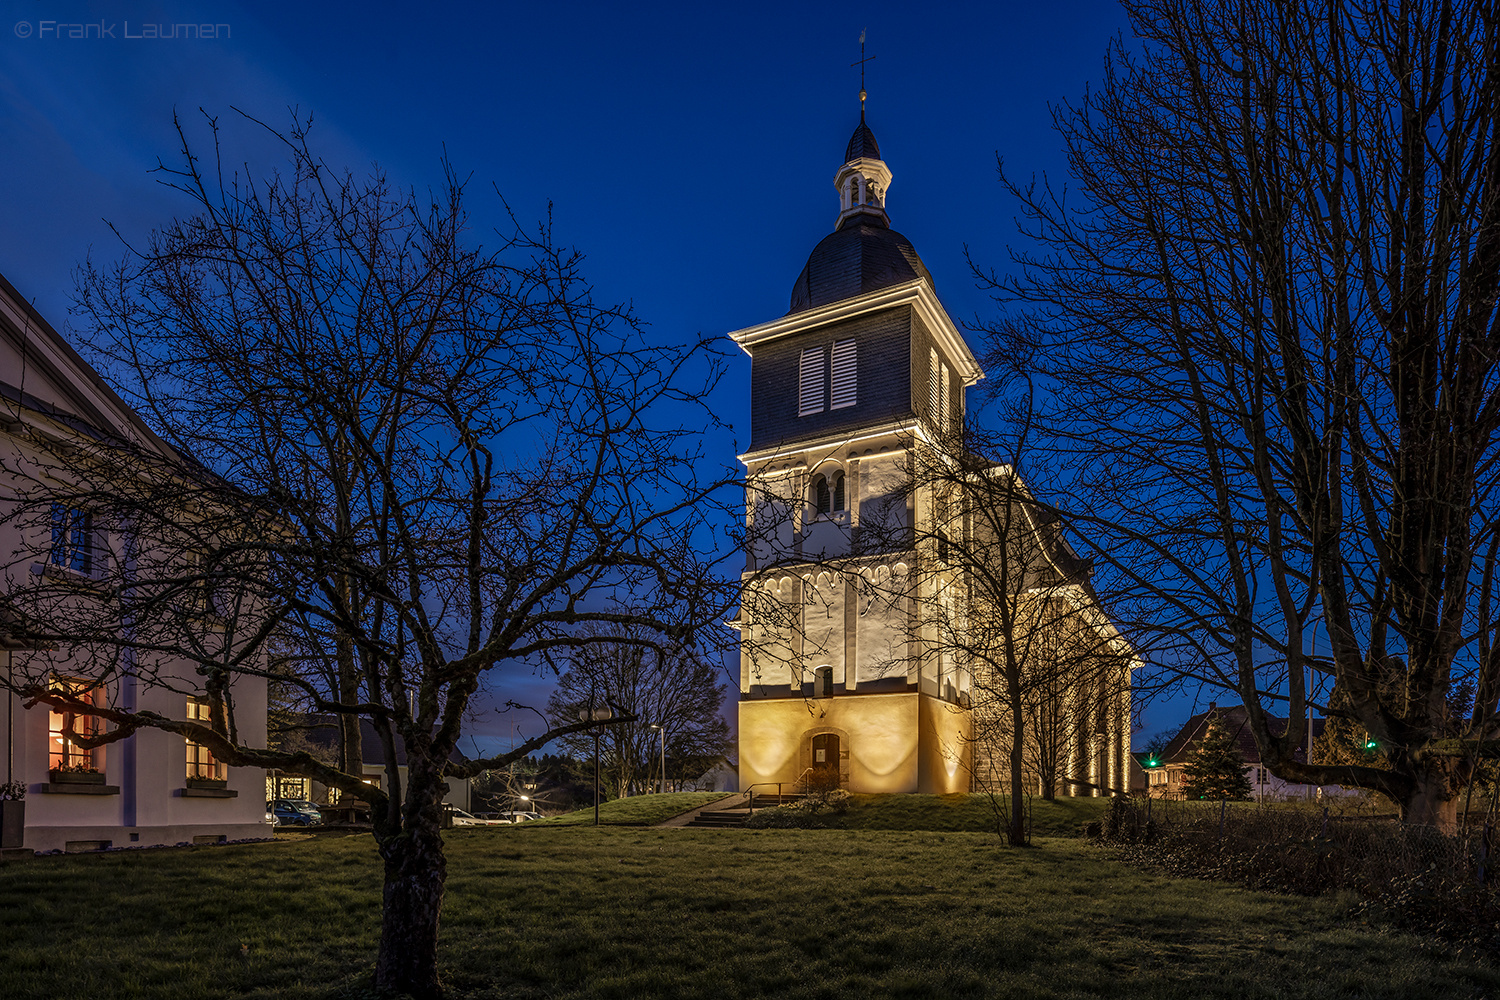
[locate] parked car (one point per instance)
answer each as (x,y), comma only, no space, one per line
(462,817)
(517,816)
(295,812)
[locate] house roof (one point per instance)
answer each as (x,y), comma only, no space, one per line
(90,405)
(1234,717)
(323,731)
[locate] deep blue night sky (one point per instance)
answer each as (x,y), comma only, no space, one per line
(689,150)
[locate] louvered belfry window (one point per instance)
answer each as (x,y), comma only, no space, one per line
(945,415)
(934,396)
(845,375)
(811,376)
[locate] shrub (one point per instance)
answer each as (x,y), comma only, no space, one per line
(805,813)
(1413,877)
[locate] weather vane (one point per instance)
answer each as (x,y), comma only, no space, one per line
(861,64)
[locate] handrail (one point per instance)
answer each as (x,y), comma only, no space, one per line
(750,791)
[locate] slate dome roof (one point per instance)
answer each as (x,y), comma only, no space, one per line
(863,254)
(862,144)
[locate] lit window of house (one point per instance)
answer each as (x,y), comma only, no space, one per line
(291,788)
(63,752)
(72,539)
(201,763)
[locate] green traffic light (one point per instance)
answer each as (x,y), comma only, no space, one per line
(1371,744)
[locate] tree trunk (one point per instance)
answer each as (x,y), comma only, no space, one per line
(1016,834)
(1431,802)
(415,871)
(351,748)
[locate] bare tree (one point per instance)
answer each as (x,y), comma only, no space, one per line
(421,458)
(1003,599)
(676,690)
(1269,308)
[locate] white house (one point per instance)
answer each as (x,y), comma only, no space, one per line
(153,787)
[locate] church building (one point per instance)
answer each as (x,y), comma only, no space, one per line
(840,682)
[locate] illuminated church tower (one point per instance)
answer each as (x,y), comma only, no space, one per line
(842,680)
(864,367)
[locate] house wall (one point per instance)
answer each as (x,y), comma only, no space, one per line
(142,801)
(146,802)
(459,789)
(1263,787)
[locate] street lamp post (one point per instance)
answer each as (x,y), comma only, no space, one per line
(598,716)
(663,785)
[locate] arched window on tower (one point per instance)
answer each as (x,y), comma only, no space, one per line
(821,497)
(827,495)
(872,194)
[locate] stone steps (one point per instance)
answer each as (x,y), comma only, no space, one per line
(728,819)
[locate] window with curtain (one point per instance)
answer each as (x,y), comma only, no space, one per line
(201,763)
(63,752)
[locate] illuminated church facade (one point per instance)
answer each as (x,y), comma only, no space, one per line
(838,678)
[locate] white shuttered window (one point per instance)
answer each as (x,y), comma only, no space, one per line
(845,375)
(811,376)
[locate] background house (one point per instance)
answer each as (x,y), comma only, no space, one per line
(1164,778)
(319,734)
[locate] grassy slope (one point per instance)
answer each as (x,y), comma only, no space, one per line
(956,813)
(536,911)
(638,810)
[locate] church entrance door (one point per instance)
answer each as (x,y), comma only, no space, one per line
(825,752)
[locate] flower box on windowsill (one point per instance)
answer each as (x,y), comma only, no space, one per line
(208,783)
(64,777)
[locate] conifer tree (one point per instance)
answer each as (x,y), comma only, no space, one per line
(1215,769)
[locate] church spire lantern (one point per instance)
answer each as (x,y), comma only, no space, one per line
(863,180)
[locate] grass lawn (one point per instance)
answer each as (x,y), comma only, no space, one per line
(637,810)
(957,813)
(539,911)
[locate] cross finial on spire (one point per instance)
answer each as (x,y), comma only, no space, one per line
(861,64)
